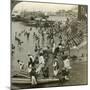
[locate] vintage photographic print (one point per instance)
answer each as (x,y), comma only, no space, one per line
(49,44)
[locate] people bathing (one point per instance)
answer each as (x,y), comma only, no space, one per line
(27,33)
(18,39)
(21,64)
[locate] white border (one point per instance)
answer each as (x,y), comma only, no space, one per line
(5,43)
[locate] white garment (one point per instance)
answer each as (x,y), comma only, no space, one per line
(56,72)
(41,64)
(53,49)
(32,58)
(29,68)
(41,60)
(34,82)
(38,70)
(67,64)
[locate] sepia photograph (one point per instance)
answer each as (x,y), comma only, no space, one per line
(49,44)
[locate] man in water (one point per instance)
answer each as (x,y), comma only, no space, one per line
(18,39)
(27,33)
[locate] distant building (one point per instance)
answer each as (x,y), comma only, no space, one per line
(69,13)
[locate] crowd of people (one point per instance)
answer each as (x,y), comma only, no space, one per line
(38,65)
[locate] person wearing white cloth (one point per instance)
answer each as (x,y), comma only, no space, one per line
(53,48)
(41,63)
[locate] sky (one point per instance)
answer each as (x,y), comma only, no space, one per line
(45,7)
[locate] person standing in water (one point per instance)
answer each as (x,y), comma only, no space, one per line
(27,33)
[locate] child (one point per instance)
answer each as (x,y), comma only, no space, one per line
(53,48)
(21,64)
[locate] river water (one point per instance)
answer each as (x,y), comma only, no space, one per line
(26,48)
